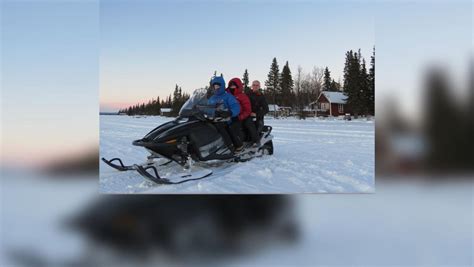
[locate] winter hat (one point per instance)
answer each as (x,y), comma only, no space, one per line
(220,81)
(237,82)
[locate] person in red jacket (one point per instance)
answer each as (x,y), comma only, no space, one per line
(236,89)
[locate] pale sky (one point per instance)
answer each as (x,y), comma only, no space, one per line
(50,77)
(411,37)
(147,47)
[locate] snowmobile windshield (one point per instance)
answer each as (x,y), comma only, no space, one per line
(197,105)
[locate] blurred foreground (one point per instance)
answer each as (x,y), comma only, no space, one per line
(62,222)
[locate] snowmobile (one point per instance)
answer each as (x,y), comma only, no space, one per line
(190,140)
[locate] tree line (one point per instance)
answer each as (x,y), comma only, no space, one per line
(153,106)
(296,92)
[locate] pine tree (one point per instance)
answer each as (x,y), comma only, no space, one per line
(335,86)
(175,93)
(443,121)
(273,81)
(364,89)
(175,100)
(157,107)
(246,81)
(371,90)
(351,74)
(148,107)
(180,101)
(356,83)
(327,80)
(286,85)
(468,117)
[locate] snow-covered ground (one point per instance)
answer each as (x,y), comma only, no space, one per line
(311,156)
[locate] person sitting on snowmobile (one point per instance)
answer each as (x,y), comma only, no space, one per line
(259,105)
(245,121)
(227,106)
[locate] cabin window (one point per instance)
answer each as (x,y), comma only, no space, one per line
(324,106)
(340,108)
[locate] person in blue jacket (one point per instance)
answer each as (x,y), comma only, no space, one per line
(226,106)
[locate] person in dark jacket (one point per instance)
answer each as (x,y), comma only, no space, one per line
(226,107)
(259,105)
(236,89)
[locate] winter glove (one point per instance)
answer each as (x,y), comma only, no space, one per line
(223,113)
(253,116)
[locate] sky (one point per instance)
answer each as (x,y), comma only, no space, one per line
(50,77)
(414,36)
(147,46)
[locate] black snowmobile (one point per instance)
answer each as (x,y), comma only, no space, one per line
(191,138)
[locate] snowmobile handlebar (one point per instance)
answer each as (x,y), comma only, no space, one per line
(207,113)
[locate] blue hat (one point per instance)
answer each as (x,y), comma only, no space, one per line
(219,80)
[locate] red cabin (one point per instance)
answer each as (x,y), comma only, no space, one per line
(331,104)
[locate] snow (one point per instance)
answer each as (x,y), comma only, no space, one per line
(311,156)
(335,97)
(32,202)
(406,223)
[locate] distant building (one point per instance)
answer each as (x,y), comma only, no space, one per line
(108,113)
(273,110)
(165,111)
(277,111)
(284,111)
(273,107)
(331,104)
(309,111)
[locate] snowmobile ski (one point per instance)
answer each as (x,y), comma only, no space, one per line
(123,167)
(159,180)
(155,177)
